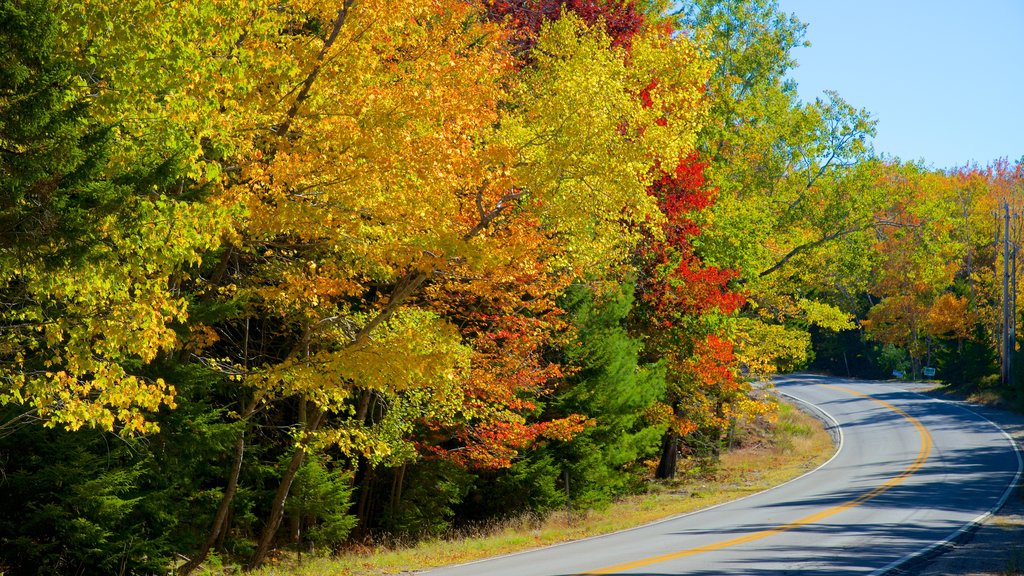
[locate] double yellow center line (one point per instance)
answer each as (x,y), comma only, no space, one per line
(922,456)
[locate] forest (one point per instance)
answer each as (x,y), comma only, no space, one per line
(381,268)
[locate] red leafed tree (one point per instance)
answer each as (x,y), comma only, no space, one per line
(508,315)
(674,283)
(677,292)
(508,373)
(620,18)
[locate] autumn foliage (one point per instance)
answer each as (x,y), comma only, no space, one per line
(353,268)
(675,283)
(621,20)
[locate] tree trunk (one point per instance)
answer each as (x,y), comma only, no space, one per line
(277,507)
(396,487)
(364,505)
(220,518)
(669,456)
(222,512)
(364,406)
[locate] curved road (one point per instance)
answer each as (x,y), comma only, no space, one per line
(911,471)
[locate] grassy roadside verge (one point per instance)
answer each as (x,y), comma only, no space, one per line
(992,395)
(765,457)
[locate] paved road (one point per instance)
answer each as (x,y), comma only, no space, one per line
(911,471)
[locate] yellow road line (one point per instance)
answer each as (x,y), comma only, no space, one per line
(922,456)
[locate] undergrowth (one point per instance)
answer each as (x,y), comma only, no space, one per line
(763,455)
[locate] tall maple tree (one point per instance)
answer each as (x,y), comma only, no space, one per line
(684,315)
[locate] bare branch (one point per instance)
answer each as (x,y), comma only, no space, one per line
(486,218)
(307,84)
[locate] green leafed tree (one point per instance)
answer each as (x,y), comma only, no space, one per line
(89,254)
(797,203)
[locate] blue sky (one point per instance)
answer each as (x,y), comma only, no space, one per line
(944,79)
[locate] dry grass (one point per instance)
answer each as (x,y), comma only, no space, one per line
(989,397)
(767,456)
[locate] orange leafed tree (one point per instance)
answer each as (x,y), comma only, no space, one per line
(413,204)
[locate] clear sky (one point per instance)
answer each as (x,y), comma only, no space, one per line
(944,79)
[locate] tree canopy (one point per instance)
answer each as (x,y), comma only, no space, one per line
(344,267)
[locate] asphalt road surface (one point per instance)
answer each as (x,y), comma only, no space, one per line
(910,472)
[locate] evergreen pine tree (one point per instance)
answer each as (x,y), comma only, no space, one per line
(613,389)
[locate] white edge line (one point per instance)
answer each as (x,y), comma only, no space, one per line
(839,448)
(952,537)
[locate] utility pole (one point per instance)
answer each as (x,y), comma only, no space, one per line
(1007,332)
(1013,316)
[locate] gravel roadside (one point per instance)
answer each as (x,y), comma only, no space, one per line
(996,547)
